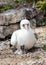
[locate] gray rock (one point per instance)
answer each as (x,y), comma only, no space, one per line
(31,13)
(9,21)
(11,16)
(8,30)
(33,23)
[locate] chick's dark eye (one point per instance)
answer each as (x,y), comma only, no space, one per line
(27,24)
(23,25)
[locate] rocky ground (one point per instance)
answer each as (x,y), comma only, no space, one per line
(36,56)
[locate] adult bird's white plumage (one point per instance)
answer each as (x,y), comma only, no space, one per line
(24,36)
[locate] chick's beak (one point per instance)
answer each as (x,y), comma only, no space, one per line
(26,27)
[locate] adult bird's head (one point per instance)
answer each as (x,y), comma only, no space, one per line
(25,24)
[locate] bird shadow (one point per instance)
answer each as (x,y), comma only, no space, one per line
(33,49)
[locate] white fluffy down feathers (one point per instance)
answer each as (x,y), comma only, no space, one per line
(23,37)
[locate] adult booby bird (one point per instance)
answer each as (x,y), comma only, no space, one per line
(24,37)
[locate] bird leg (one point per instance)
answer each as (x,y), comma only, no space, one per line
(20,51)
(23,49)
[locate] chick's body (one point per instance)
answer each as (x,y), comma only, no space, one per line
(23,37)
